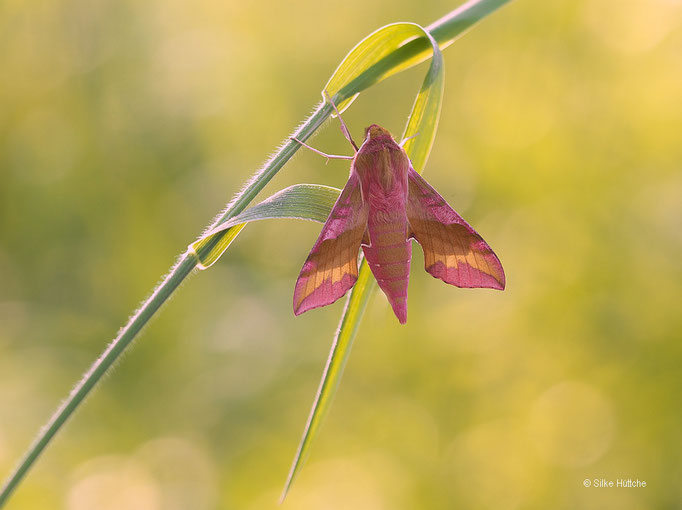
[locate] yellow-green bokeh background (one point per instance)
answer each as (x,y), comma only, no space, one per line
(125,126)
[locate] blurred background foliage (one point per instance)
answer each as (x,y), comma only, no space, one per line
(126,126)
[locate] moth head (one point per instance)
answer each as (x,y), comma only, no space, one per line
(374,131)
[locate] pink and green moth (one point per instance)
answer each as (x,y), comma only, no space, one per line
(384,205)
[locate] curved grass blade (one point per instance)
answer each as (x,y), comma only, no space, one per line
(366,64)
(422,120)
(422,124)
(394,48)
(302,201)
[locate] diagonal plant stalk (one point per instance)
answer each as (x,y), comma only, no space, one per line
(407,54)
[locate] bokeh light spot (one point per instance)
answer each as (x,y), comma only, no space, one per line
(572,424)
(113,483)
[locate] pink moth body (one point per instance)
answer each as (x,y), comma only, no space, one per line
(382,166)
(385,204)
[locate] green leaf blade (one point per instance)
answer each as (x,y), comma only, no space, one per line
(450,27)
(311,202)
(366,64)
(331,377)
(423,122)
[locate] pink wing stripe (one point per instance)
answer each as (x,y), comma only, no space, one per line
(453,251)
(332,266)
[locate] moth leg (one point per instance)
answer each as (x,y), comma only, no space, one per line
(324,154)
(344,128)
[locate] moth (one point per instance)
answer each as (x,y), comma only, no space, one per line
(383,206)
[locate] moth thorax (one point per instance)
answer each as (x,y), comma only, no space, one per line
(385,168)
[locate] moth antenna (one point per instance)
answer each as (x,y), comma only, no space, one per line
(402,144)
(344,128)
